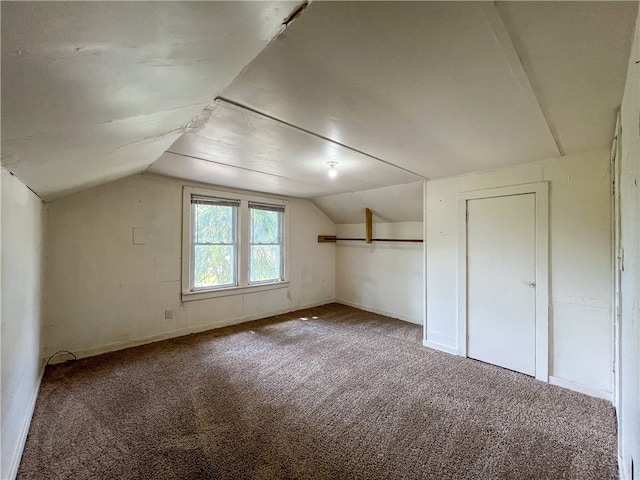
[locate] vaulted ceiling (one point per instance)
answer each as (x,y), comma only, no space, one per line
(240,94)
(97,91)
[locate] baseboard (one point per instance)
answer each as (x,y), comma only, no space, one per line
(112,347)
(379,312)
(24,431)
(579,387)
(439,346)
(622,470)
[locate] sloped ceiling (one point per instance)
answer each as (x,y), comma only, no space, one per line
(395,92)
(96,91)
(397,203)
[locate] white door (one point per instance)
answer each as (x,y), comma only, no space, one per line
(501,290)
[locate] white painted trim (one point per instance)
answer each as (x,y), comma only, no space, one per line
(579,387)
(112,347)
(424,260)
(462,277)
(541,191)
(24,431)
(185,282)
(616,252)
(444,340)
(242,254)
(417,321)
(622,468)
(227,292)
(520,189)
(441,347)
(542,282)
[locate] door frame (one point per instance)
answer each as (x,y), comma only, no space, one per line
(617,260)
(541,202)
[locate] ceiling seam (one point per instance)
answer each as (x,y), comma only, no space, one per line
(514,60)
(368,190)
(293,15)
(74,128)
(233,103)
(23,182)
(261,172)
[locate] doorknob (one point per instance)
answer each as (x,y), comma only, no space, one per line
(530,284)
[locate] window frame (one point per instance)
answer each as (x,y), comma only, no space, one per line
(193,244)
(243,232)
(281,224)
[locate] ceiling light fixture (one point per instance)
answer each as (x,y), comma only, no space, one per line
(332,169)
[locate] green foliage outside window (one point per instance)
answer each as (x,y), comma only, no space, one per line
(216,223)
(214,246)
(266,235)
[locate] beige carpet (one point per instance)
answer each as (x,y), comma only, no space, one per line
(325,393)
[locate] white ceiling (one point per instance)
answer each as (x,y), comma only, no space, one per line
(96,91)
(233,146)
(575,55)
(397,203)
(393,91)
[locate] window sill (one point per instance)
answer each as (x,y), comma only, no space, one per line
(229,291)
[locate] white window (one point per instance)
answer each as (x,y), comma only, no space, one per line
(214,246)
(232,243)
(266,262)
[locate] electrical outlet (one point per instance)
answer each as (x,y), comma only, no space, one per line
(289,294)
(168,314)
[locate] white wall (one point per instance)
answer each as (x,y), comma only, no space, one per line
(22,231)
(104,293)
(629,396)
(580,263)
(382,277)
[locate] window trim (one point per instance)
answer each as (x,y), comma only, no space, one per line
(192,244)
(281,220)
(243,245)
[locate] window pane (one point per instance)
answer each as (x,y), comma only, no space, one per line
(213,224)
(265,226)
(265,263)
(214,265)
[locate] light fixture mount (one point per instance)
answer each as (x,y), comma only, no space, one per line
(332,169)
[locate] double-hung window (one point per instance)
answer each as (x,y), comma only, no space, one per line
(266,262)
(214,246)
(232,243)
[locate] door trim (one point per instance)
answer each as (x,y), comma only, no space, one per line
(541,195)
(617,262)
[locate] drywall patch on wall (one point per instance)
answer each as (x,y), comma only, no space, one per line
(23,223)
(580,261)
(382,277)
(103,291)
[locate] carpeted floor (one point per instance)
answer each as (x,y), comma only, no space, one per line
(325,393)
